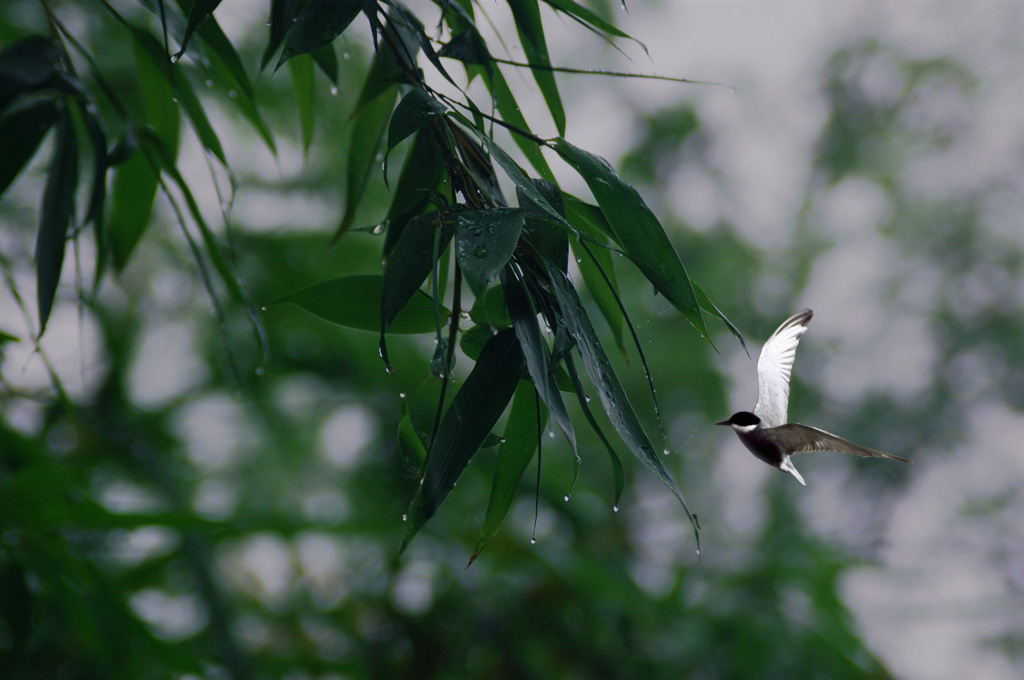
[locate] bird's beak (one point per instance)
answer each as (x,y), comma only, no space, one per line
(724,422)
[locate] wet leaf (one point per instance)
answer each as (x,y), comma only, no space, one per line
(317,25)
(526,421)
(27,65)
(422,173)
(526,14)
(354,302)
(415,110)
(282,16)
(201,10)
(484,242)
(410,263)
(612,396)
(638,231)
(22,128)
(465,426)
(301,68)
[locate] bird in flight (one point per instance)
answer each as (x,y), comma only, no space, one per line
(766,432)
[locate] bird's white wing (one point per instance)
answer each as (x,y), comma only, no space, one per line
(774,368)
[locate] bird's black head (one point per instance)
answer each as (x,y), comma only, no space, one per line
(742,419)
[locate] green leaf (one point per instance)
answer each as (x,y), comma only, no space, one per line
(282,17)
(409,441)
(484,242)
(711,308)
(354,302)
(526,421)
(416,110)
(474,339)
(548,240)
(301,68)
(22,128)
(587,17)
(613,397)
(638,231)
(531,32)
(57,215)
(27,65)
(522,182)
(422,173)
(409,266)
(319,23)
(465,426)
(595,265)
(538,361)
(201,9)
(587,218)
(133,191)
(327,61)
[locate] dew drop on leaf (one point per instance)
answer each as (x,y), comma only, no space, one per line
(405,518)
(615,508)
(533,541)
(401,395)
(334,90)
(666,452)
(566,497)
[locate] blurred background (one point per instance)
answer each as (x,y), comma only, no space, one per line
(205,513)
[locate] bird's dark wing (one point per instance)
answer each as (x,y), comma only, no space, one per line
(798,438)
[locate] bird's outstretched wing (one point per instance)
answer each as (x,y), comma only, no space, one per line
(774,368)
(805,439)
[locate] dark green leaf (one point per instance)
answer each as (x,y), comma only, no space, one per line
(587,218)
(613,397)
(522,433)
(598,273)
(422,173)
(327,60)
(484,242)
(522,182)
(282,17)
(413,28)
(711,308)
(585,16)
(474,339)
(201,9)
(318,25)
(618,474)
(531,32)
(538,361)
(22,128)
(354,302)
(470,418)
(56,216)
(410,263)
(301,68)
(26,66)
(638,231)
(548,240)
(409,441)
(416,110)
(133,190)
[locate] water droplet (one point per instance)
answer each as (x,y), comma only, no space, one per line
(666,452)
(615,508)
(501,440)
(587,398)
(401,395)
(405,518)
(346,55)
(533,541)
(579,259)
(209,83)
(175,58)
(379,229)
(566,497)
(259,370)
(551,434)
(334,90)
(232,94)
(225,207)
(263,309)
(174,99)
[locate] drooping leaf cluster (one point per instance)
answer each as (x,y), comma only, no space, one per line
(449,220)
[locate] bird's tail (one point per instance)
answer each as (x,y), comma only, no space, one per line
(787,466)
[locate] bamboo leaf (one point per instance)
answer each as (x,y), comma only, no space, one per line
(414,111)
(317,25)
(421,175)
(22,128)
(282,16)
(526,14)
(526,421)
(27,65)
(301,68)
(56,216)
(201,10)
(638,231)
(465,426)
(484,242)
(354,302)
(613,397)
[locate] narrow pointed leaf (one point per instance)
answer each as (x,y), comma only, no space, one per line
(531,32)
(601,288)
(327,61)
(282,15)
(201,10)
(613,397)
(133,190)
(409,442)
(638,231)
(354,302)
(618,474)
(522,432)
(550,241)
(22,128)
(301,68)
(586,16)
(522,182)
(484,242)
(56,216)
(414,111)
(711,308)
(490,309)
(318,25)
(465,426)
(513,115)
(538,361)
(409,265)
(421,175)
